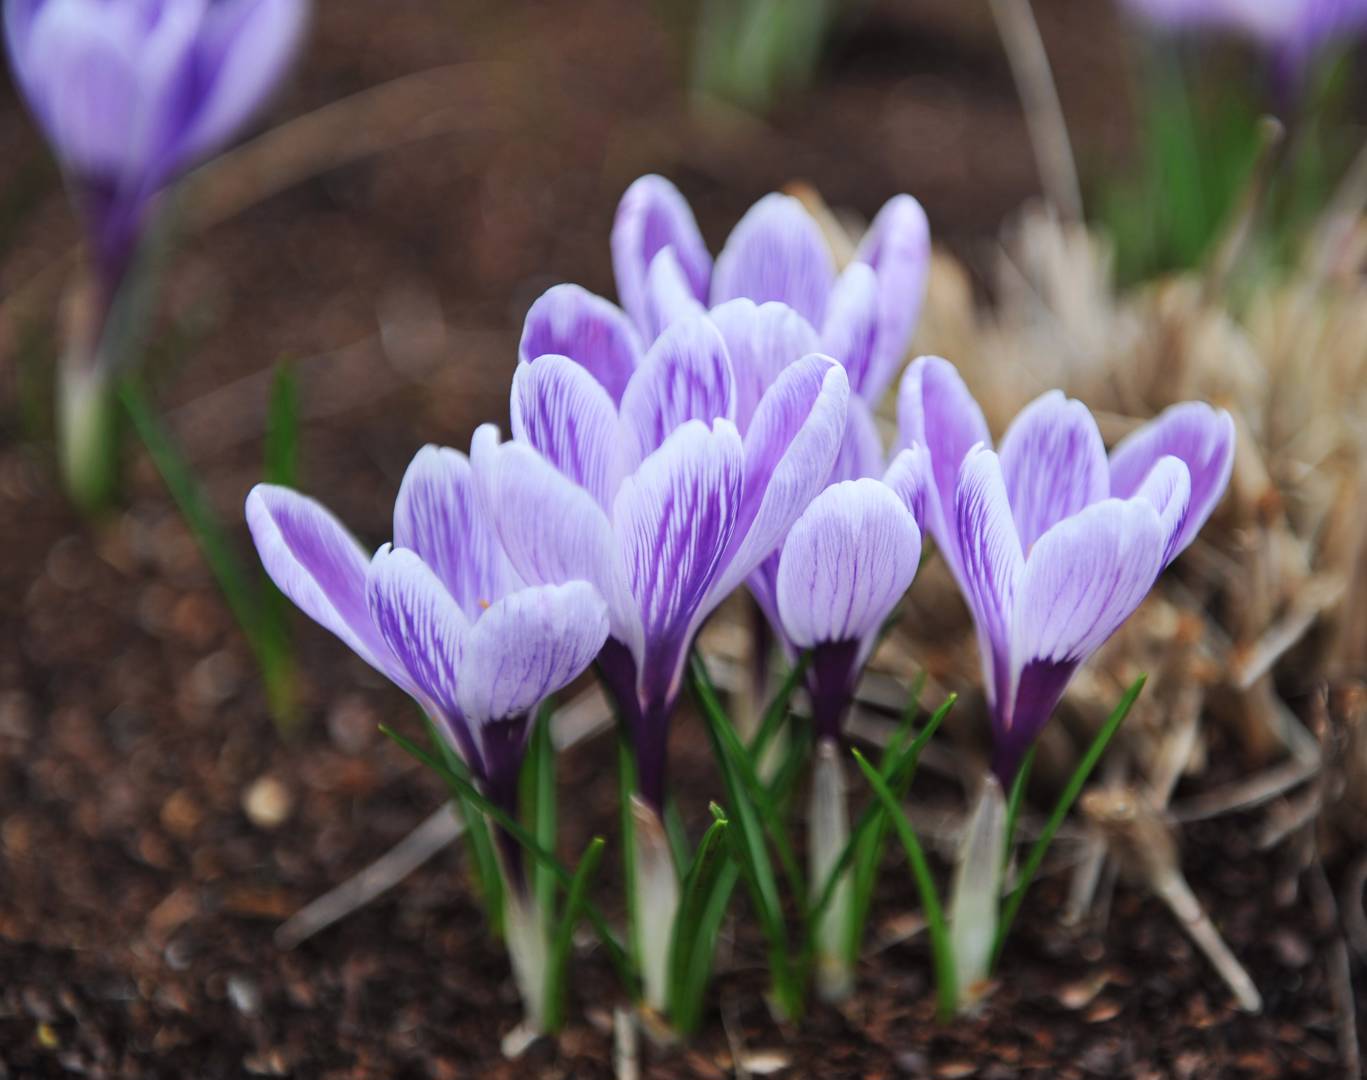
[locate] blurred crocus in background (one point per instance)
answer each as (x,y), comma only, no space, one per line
(443,615)
(1291,31)
(131,94)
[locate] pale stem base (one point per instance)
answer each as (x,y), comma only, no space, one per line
(976,902)
(828,832)
(657,902)
(87,444)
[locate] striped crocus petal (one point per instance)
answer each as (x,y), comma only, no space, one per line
(652,216)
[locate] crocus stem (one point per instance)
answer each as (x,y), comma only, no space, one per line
(828,830)
(87,434)
(977,891)
(657,900)
(525,930)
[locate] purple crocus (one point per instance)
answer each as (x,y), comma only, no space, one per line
(862,316)
(1291,31)
(842,570)
(631,471)
(777,294)
(440,611)
(1053,544)
(131,93)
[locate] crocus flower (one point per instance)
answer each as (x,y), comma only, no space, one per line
(863,316)
(1054,545)
(842,569)
(1292,31)
(442,614)
(440,611)
(131,93)
(636,477)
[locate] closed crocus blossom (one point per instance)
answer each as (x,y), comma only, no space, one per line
(131,93)
(1052,543)
(842,570)
(844,566)
(634,475)
(442,614)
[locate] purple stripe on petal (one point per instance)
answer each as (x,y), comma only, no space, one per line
(314,561)
(437,515)
(651,216)
(897,246)
(935,410)
(776,252)
(669,296)
(1168,488)
(567,320)
(909,478)
(1202,437)
(1054,463)
(1082,580)
(686,375)
(789,452)
(426,632)
(992,564)
(566,415)
(552,530)
(850,333)
(246,48)
(674,519)
(527,646)
(761,340)
(846,563)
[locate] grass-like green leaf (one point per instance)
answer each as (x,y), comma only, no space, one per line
(483,858)
(528,842)
(872,843)
(539,779)
(690,948)
(941,950)
(1065,803)
(899,773)
(777,712)
(741,764)
(557,963)
(747,839)
(243,598)
(1016,798)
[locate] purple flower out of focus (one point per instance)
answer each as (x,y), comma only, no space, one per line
(131,93)
(1291,30)
(844,566)
(640,474)
(440,612)
(1052,543)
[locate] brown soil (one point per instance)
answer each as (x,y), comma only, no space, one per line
(137,898)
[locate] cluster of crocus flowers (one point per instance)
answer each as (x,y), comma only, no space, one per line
(131,94)
(717,430)
(442,614)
